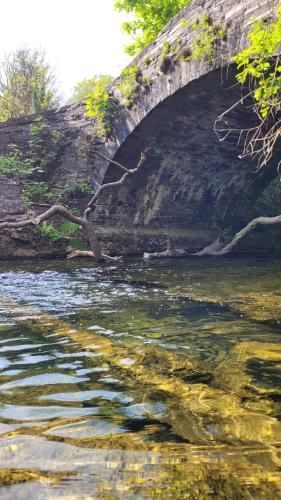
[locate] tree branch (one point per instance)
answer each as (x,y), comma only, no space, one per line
(97,153)
(259,221)
(63,212)
(103,187)
(218,247)
(54,210)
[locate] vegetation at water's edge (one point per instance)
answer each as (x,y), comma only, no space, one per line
(54,233)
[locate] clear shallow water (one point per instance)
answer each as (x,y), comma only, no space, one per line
(140,380)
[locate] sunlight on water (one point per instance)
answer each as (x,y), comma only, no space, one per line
(140,380)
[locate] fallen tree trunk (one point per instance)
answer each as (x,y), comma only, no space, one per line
(174,253)
(177,253)
(212,249)
(219,247)
(259,221)
(78,254)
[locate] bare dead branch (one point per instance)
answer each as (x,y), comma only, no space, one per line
(259,221)
(234,106)
(17,225)
(51,212)
(114,184)
(259,141)
(97,153)
(78,254)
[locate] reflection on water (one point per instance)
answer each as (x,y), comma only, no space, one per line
(140,380)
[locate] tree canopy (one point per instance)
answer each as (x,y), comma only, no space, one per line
(27,84)
(83,89)
(149,18)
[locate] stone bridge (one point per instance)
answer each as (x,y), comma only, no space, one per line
(190,184)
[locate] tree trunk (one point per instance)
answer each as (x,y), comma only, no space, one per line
(219,247)
(259,221)
(176,253)
(213,249)
(93,240)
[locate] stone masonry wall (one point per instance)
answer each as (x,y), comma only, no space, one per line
(189,181)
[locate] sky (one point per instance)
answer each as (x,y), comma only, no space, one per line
(81,38)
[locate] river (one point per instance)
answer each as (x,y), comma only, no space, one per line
(140,379)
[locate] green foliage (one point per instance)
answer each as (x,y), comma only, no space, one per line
(183,24)
(146,81)
(130,84)
(42,148)
(185,55)
(75,189)
(53,234)
(256,64)
(259,70)
(27,84)
(165,60)
(166,49)
(49,232)
(39,153)
(16,165)
(36,192)
(78,243)
(83,89)
(149,18)
(99,104)
(68,228)
(147,61)
(207,36)
(30,163)
(11,165)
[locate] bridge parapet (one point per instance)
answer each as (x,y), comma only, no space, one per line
(190,180)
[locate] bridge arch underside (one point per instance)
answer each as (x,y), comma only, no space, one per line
(189,180)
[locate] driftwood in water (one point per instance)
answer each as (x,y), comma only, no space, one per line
(174,253)
(88,254)
(219,247)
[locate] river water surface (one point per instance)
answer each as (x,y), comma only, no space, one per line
(140,380)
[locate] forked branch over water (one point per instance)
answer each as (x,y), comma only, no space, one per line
(83,221)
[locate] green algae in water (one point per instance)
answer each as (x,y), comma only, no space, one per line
(158,380)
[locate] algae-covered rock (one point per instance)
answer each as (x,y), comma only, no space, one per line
(251,350)
(173,365)
(260,306)
(10,477)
